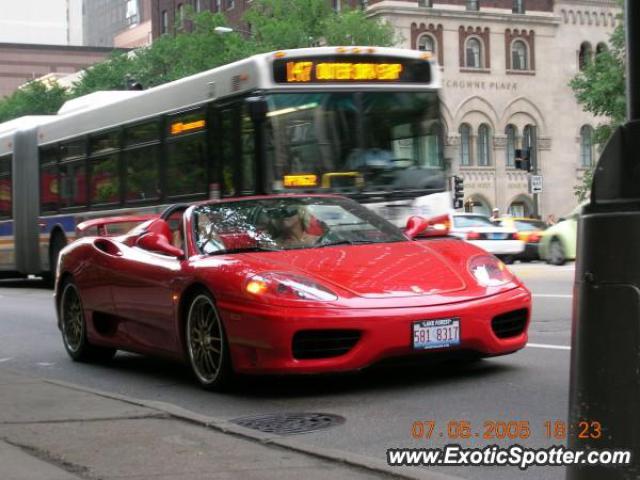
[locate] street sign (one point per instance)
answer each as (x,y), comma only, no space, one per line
(535,183)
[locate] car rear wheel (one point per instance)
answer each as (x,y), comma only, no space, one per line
(556,253)
(74,329)
(207,345)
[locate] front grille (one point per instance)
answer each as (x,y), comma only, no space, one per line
(323,343)
(510,324)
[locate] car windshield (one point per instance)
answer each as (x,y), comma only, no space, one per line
(464,221)
(529,225)
(288,223)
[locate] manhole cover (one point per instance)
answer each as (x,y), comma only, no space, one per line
(290,423)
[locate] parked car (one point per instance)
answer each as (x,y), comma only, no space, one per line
(482,232)
(285,284)
(558,242)
(529,231)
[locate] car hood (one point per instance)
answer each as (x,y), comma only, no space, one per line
(386,270)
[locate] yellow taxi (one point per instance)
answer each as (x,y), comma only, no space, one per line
(529,231)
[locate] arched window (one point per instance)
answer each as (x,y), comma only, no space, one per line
(529,143)
(426,43)
(164,28)
(484,145)
(180,13)
(473,53)
(465,144)
(601,48)
(584,57)
(511,132)
(586,146)
(519,56)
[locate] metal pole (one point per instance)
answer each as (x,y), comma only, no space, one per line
(632,15)
(604,396)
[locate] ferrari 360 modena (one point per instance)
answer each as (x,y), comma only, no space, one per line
(295,284)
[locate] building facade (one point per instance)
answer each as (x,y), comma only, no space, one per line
(102,20)
(20,63)
(54,22)
(137,33)
(506,67)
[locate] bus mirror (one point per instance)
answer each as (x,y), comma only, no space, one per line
(257,107)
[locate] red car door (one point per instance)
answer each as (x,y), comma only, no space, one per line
(143,294)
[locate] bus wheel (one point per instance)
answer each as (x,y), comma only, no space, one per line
(58,242)
(74,328)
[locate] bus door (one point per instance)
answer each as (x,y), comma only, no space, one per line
(26,201)
(235,136)
(7,262)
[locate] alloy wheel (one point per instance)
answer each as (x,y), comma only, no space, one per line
(72,319)
(205,340)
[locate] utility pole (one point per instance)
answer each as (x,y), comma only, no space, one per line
(605,339)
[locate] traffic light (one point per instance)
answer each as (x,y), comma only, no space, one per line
(522,159)
(457,187)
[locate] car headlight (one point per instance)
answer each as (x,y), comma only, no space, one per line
(288,286)
(489,271)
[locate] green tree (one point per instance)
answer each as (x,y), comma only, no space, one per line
(35,98)
(281,24)
(600,89)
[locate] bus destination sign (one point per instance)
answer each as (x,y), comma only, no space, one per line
(351,69)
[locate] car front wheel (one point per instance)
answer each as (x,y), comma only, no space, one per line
(556,253)
(207,345)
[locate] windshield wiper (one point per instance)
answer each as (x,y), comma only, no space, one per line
(253,248)
(346,242)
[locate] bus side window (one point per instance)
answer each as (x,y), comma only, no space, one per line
(49,186)
(248,154)
(5,187)
(237,138)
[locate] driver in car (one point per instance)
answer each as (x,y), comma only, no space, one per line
(290,224)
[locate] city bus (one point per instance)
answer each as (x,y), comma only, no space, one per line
(359,121)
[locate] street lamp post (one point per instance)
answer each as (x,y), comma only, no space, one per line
(225,30)
(605,338)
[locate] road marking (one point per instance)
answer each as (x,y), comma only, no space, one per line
(2,360)
(45,364)
(551,295)
(550,347)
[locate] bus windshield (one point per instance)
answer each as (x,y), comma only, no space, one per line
(355,141)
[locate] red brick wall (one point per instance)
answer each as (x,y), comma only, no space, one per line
(484,35)
(20,63)
(529,5)
(435,31)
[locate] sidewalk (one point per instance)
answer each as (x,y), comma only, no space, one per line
(55,431)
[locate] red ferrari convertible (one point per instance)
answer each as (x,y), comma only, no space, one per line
(284,284)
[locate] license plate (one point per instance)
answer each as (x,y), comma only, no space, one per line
(496,236)
(442,333)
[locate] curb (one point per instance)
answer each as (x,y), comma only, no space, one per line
(338,456)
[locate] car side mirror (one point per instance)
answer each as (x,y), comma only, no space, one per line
(427,227)
(158,243)
(415,226)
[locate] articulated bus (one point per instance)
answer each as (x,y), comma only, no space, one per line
(360,121)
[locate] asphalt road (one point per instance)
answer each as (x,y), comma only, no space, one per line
(379,405)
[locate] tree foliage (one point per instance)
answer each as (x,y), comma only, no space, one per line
(275,25)
(35,98)
(600,89)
